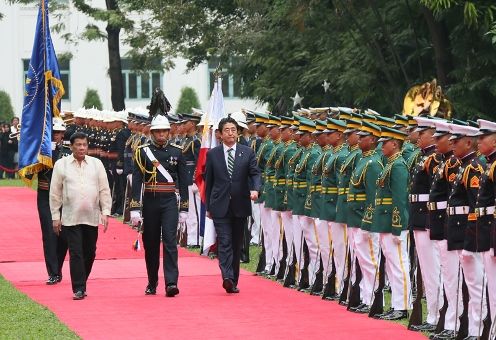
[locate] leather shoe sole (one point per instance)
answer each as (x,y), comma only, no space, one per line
(228,285)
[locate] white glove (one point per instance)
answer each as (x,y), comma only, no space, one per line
(119,171)
(130,179)
(183,216)
(194,187)
(396,239)
(135,217)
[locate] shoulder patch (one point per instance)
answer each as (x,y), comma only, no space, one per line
(176,145)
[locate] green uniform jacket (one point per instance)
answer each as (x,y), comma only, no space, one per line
(302,175)
(330,175)
(270,172)
(290,173)
(262,157)
(361,195)
(407,150)
(344,182)
(280,199)
(313,204)
(391,199)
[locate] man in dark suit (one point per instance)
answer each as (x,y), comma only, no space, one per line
(232,178)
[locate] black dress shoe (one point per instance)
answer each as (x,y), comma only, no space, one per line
(59,278)
(363,310)
(444,335)
(361,305)
(228,285)
(79,295)
(332,297)
(151,289)
(395,315)
(234,290)
(425,327)
(171,290)
(381,315)
(52,280)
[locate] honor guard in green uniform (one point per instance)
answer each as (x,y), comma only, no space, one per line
(272,229)
(344,176)
(292,274)
(314,206)
(412,158)
(280,193)
(484,227)
(438,196)
(390,220)
(462,213)
(336,231)
(265,214)
(360,208)
(190,149)
(302,200)
(254,143)
(401,123)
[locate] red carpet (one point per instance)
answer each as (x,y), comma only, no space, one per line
(116,307)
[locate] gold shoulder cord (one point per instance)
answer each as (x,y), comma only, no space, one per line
(301,165)
(466,172)
(292,159)
(185,149)
(449,166)
(260,152)
(491,171)
(362,176)
(142,167)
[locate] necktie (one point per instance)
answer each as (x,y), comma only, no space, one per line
(230,161)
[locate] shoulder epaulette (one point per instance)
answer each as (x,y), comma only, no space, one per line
(428,161)
(143,145)
(176,145)
(491,170)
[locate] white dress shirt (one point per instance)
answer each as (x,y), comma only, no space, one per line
(81,190)
(226,153)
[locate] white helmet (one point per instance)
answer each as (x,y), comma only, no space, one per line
(240,118)
(58,124)
(160,122)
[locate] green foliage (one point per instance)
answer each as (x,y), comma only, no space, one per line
(92,99)
(22,318)
(6,109)
(187,101)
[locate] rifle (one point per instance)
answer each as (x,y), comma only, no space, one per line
(261,259)
(330,287)
(127,198)
(344,292)
(354,292)
(182,235)
(289,273)
(416,314)
(487,321)
(442,315)
(463,330)
(304,281)
(282,263)
(377,306)
(318,282)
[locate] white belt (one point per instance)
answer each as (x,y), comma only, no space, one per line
(419,198)
(484,211)
(462,210)
(437,205)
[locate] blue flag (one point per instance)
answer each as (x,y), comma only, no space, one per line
(42,95)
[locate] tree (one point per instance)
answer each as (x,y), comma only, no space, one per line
(187,101)
(92,99)
(6,109)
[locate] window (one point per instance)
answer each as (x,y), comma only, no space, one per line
(231,84)
(139,85)
(65,73)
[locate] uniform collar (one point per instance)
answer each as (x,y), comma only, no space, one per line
(429,149)
(492,157)
(394,157)
(468,157)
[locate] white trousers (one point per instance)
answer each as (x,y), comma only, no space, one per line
(310,235)
(450,263)
(490,267)
(340,252)
(397,269)
(275,236)
(192,220)
(255,228)
(352,233)
(367,253)
(287,223)
(430,266)
(324,236)
(473,271)
(298,243)
(267,225)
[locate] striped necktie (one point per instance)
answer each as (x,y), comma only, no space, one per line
(230,161)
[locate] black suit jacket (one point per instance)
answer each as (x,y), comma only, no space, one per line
(224,192)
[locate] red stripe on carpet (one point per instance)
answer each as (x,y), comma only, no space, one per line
(116,307)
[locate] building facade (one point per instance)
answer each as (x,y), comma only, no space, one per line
(84,65)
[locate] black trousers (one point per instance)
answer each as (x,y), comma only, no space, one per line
(81,240)
(229,238)
(160,217)
(54,247)
(118,195)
